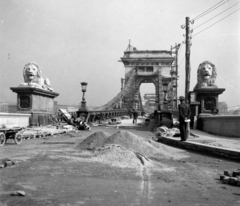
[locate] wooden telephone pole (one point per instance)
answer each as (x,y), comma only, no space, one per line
(187,60)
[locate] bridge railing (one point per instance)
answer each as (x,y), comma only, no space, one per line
(94,115)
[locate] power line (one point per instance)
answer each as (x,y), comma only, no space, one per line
(216,22)
(181,61)
(180,50)
(205,12)
(216,15)
(210,10)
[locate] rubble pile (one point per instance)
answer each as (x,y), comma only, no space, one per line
(133,142)
(231,178)
(40,132)
(164,131)
(118,156)
(93,141)
(6,163)
(101,141)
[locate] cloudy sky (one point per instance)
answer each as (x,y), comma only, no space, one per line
(82,40)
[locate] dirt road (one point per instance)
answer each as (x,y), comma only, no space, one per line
(51,172)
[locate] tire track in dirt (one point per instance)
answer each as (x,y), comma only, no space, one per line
(145,179)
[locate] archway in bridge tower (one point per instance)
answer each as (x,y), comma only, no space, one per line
(148,97)
(154,98)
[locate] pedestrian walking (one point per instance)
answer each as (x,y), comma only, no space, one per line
(135,116)
(184,118)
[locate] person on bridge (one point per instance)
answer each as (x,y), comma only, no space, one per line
(184,117)
(135,116)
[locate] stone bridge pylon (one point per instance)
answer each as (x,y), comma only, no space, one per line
(147,66)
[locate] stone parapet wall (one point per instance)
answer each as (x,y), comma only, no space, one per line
(202,148)
(15,118)
(223,125)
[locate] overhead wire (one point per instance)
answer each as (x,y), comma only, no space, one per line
(179,52)
(207,11)
(181,61)
(216,22)
(210,10)
(216,15)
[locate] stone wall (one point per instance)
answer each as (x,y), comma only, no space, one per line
(15,118)
(223,125)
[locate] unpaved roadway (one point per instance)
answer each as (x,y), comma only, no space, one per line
(51,172)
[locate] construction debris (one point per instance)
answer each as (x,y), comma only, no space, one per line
(6,163)
(41,132)
(231,178)
(17,193)
(163,131)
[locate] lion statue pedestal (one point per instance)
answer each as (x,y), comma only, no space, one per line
(37,102)
(204,97)
(208,99)
(35,96)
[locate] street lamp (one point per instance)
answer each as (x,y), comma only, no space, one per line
(84,89)
(84,86)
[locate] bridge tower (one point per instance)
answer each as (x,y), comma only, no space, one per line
(150,66)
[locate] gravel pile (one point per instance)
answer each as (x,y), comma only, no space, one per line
(118,156)
(133,142)
(99,141)
(93,141)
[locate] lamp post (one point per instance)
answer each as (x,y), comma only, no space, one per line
(84,89)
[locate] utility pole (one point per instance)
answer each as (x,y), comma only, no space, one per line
(187,60)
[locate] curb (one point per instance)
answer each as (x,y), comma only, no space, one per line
(129,127)
(223,152)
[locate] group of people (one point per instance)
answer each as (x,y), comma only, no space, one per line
(81,124)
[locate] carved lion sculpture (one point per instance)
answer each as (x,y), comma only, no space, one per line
(32,77)
(206,75)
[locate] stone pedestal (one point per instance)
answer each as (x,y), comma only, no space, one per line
(35,101)
(203,101)
(194,114)
(208,99)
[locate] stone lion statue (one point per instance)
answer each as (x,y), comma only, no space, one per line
(32,77)
(206,75)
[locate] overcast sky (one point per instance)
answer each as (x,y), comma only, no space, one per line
(82,40)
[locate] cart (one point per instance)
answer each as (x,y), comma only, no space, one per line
(13,133)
